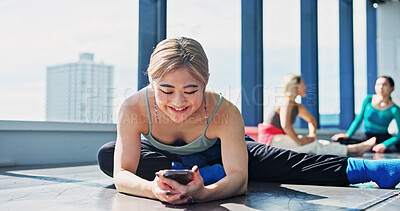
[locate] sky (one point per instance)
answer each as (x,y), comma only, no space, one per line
(41,33)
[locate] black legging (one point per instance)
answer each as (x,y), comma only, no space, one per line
(379,139)
(266,164)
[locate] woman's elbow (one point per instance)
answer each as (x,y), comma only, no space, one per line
(312,122)
(118,183)
(243,189)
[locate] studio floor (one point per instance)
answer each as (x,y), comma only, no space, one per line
(85,187)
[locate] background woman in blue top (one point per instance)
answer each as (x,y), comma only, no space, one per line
(187,126)
(377,111)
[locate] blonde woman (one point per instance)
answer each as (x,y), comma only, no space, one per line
(171,124)
(277,130)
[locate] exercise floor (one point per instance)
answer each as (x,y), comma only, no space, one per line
(85,187)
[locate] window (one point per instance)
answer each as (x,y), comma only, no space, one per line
(360,53)
(281,47)
(217,26)
(328,61)
(38,35)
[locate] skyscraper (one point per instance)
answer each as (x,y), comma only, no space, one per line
(82,91)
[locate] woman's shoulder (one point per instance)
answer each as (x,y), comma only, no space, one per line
(136,100)
(298,106)
(220,105)
(213,96)
(395,108)
(282,101)
(215,99)
(134,107)
(287,103)
(226,114)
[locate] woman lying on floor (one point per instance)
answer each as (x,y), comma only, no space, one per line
(277,130)
(176,123)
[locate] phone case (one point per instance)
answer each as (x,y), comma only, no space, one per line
(183,176)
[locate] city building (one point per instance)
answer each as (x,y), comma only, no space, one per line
(80,91)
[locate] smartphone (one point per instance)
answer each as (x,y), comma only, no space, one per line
(183,176)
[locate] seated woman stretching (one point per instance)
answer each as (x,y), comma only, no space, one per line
(175,123)
(277,130)
(377,111)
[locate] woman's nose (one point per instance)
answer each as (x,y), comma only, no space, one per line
(178,100)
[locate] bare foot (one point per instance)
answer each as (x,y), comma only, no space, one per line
(361,148)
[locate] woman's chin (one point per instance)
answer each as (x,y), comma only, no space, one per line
(178,118)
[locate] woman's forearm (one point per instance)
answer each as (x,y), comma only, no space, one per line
(312,129)
(231,185)
(127,182)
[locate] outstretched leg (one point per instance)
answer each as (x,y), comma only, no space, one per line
(270,164)
(385,173)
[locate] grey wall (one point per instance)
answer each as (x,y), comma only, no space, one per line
(36,143)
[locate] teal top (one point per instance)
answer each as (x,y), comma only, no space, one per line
(200,144)
(376,121)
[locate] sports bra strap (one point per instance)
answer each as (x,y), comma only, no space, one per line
(148,109)
(212,115)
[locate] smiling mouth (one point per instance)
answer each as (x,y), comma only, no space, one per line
(179,109)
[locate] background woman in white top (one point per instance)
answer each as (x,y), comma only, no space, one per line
(277,130)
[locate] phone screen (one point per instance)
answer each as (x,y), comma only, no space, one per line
(183,176)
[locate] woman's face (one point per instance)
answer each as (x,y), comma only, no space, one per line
(178,94)
(383,87)
(301,88)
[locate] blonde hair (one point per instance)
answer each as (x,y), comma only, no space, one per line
(176,53)
(289,83)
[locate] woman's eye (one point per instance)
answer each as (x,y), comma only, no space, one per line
(191,92)
(168,93)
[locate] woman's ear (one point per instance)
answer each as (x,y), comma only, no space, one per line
(205,84)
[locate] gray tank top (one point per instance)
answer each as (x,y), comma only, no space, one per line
(200,144)
(274,117)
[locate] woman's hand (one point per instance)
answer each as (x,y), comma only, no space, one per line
(169,190)
(340,135)
(314,136)
(379,148)
(162,191)
(306,140)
